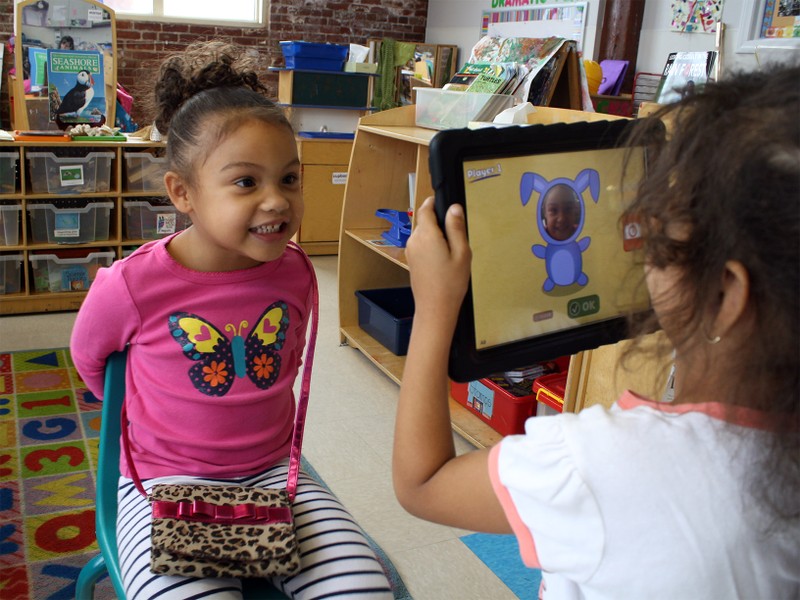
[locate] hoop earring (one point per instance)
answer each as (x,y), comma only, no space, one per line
(709,340)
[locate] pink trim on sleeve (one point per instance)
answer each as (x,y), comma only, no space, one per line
(527,547)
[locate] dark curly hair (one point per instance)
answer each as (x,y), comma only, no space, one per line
(206,91)
(728,174)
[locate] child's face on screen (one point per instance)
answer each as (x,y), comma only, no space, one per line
(246,202)
(561,212)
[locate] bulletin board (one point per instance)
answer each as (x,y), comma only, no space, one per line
(567,20)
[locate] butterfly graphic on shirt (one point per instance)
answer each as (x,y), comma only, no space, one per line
(219,360)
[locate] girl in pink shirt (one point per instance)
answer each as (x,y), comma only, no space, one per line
(214,319)
(697,498)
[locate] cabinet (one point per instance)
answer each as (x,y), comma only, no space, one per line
(388,146)
(324,164)
(110,220)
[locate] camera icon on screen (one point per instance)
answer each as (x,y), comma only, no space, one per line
(632,231)
(631,236)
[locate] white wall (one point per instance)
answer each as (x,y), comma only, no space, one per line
(458,22)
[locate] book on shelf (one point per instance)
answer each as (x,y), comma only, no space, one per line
(538,61)
(645,88)
(486,78)
(38,71)
(76,86)
(685,73)
(445,64)
(464,77)
(499,80)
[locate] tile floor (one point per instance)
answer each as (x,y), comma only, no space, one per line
(349,441)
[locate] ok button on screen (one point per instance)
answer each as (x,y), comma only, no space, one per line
(581,307)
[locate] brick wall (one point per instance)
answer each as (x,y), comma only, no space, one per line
(142,45)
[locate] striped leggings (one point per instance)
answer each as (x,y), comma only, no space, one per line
(336,559)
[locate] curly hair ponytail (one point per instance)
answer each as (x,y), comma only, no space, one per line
(207,90)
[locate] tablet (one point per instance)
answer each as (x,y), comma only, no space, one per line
(554,271)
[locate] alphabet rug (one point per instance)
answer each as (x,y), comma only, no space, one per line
(49,433)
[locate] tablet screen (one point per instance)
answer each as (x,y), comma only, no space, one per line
(548,255)
(553,269)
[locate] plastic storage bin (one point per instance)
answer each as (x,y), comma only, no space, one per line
(9,224)
(8,172)
(144,172)
(313,56)
(52,174)
(67,271)
(441,109)
(386,314)
(498,407)
(549,390)
(152,219)
(10,273)
(70,222)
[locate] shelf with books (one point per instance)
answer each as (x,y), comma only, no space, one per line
(87,26)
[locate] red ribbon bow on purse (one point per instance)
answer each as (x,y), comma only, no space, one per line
(239,514)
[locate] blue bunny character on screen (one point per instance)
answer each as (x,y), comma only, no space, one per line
(561,218)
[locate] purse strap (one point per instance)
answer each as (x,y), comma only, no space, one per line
(302,403)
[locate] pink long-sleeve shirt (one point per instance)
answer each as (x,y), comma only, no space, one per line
(212,359)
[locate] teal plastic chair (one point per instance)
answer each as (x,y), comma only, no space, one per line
(107,482)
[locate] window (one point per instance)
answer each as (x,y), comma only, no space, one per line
(240,11)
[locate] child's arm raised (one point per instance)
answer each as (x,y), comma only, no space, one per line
(429,480)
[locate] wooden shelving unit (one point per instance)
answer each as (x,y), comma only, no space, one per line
(28,300)
(387,148)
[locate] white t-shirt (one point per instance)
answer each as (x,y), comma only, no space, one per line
(644,501)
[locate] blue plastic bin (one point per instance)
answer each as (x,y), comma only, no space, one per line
(386,314)
(313,56)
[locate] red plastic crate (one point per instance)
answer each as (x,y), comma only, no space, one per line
(495,406)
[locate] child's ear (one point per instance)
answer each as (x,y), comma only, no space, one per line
(178,191)
(735,297)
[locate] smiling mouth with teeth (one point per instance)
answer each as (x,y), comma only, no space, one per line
(267,228)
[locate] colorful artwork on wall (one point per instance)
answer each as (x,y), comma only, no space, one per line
(690,16)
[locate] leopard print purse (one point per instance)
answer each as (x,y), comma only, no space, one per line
(229,530)
(259,541)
